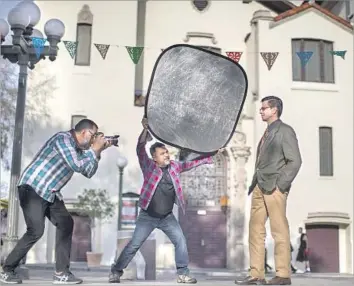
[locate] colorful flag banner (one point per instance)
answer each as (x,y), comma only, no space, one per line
(102,49)
(135,53)
(71,48)
(304,57)
(38,44)
(235,56)
(269,58)
(338,53)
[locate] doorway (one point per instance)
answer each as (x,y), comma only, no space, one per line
(323,244)
(81,241)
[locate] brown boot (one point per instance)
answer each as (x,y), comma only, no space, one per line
(249,280)
(279,281)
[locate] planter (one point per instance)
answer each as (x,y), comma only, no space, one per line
(94,259)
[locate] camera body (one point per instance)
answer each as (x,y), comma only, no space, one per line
(111,139)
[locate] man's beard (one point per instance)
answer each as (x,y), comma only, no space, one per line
(85,145)
(167,162)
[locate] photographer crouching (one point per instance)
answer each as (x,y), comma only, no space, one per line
(78,150)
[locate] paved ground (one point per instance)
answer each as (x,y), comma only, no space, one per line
(43,278)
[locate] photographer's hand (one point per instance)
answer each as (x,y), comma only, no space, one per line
(98,144)
(107,144)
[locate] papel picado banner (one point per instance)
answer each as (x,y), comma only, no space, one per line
(135,52)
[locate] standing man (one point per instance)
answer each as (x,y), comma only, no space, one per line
(278,162)
(161,189)
(39,187)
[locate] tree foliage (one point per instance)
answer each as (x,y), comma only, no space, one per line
(40,86)
(96,203)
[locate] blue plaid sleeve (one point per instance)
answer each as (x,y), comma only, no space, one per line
(84,163)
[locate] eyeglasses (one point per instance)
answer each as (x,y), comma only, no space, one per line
(92,134)
(264,108)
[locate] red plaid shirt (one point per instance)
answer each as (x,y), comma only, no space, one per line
(153,174)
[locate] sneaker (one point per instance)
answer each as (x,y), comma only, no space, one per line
(186,279)
(66,278)
(10,278)
(114,277)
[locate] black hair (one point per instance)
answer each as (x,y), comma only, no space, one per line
(85,124)
(155,146)
(274,102)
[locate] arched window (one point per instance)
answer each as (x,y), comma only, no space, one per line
(201,5)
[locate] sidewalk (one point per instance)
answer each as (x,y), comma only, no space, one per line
(44,278)
(162,273)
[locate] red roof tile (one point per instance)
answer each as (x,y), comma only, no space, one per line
(306,6)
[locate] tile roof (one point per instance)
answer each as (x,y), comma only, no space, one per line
(307,6)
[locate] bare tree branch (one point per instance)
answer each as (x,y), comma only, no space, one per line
(40,89)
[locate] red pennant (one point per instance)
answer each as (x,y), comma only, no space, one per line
(235,56)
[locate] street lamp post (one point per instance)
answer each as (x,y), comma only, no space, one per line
(22,51)
(122,162)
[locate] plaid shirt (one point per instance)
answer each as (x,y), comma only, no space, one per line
(152,175)
(55,164)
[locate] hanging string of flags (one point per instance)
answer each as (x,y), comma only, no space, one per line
(135,52)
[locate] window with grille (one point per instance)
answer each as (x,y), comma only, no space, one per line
(75,119)
(326,151)
(320,67)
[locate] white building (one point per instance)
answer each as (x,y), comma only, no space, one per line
(318,101)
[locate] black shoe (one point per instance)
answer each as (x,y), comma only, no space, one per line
(10,277)
(66,278)
(114,277)
(186,279)
(249,280)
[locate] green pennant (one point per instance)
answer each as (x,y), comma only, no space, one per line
(338,53)
(135,53)
(71,47)
(102,49)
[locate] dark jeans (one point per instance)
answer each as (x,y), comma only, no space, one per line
(145,224)
(35,209)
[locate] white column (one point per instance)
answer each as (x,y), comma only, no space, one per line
(238,192)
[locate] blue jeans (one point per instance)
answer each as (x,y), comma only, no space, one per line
(145,224)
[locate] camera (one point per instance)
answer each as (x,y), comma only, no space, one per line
(111,139)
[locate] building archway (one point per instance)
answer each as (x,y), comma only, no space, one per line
(204,187)
(205,222)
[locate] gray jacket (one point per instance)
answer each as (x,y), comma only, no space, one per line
(278,160)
